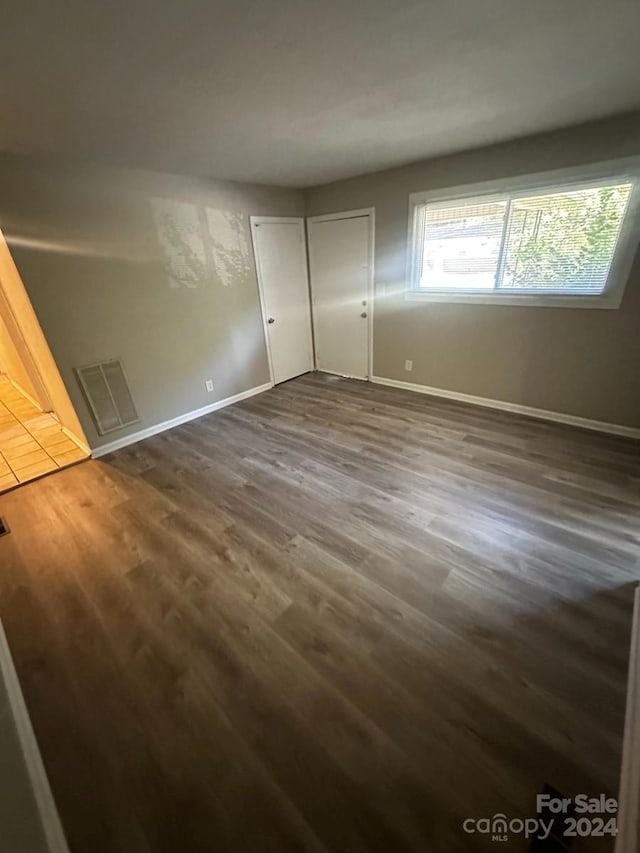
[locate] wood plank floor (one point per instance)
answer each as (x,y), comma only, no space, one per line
(333,617)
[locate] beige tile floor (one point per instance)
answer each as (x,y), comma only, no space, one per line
(32,442)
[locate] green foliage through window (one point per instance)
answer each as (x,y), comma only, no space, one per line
(559,241)
(563,240)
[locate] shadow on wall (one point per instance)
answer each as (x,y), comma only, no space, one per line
(169,290)
(156,270)
(197,241)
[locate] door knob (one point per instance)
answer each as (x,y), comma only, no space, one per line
(364,314)
(271,320)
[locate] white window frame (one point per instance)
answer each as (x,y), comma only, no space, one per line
(600,174)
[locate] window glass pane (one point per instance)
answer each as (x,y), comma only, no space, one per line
(461,245)
(563,241)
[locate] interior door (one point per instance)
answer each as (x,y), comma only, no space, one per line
(340,259)
(281,263)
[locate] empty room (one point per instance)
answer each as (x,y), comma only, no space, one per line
(320,427)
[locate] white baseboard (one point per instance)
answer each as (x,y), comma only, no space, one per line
(177,421)
(516,408)
(47,811)
(628,837)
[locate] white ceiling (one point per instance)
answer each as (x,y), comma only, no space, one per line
(297,92)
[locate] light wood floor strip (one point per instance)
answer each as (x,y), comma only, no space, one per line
(32,442)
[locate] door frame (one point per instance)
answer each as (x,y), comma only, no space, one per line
(42,399)
(256,221)
(329,217)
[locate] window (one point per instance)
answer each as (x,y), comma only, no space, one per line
(537,245)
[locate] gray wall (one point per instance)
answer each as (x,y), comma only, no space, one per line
(142,266)
(583,362)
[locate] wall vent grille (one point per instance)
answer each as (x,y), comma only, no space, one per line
(106,389)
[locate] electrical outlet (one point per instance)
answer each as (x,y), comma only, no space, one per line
(209,384)
(408,365)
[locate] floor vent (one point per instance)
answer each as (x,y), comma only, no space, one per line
(107,392)
(4,527)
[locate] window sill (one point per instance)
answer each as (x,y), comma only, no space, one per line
(606,301)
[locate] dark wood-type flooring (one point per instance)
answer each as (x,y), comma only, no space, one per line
(333,617)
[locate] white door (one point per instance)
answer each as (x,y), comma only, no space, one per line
(340,254)
(281,263)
